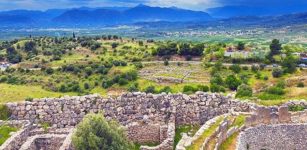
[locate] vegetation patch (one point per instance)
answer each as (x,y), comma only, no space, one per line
(5,133)
(207,133)
(189,129)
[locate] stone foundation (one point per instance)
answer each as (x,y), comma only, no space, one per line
(275,137)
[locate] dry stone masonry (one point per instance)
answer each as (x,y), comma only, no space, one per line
(148,118)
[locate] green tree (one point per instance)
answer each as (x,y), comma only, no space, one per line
(95,133)
(277,72)
(275,48)
(232,82)
(241,46)
(244,91)
(12,55)
(289,64)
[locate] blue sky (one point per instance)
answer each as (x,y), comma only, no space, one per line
(188,4)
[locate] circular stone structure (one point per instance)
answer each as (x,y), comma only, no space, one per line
(274,137)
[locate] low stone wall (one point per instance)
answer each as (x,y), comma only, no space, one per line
(16,140)
(153,132)
(299,117)
(167,143)
(269,115)
(283,136)
(45,142)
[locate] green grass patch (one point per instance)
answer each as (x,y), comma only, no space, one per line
(230,143)
(239,121)
(197,143)
(5,133)
(192,129)
(13,93)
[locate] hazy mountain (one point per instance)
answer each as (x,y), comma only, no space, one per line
(236,11)
(139,13)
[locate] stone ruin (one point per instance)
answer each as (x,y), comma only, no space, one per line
(148,118)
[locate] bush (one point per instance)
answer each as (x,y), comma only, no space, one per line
(49,71)
(232,82)
(122,81)
(166,63)
(255,68)
(245,68)
(189,89)
(244,91)
(95,132)
(29,99)
(86,86)
(296,108)
(150,89)
(275,90)
(4,112)
(166,89)
(276,73)
(265,78)
(133,87)
(235,68)
(300,85)
(203,88)
(214,88)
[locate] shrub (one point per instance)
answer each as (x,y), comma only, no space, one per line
(296,108)
(86,86)
(166,63)
(276,73)
(166,89)
(300,84)
(265,78)
(49,71)
(232,82)
(203,88)
(95,132)
(150,89)
(235,68)
(214,88)
(255,68)
(275,90)
(29,99)
(4,112)
(133,87)
(245,68)
(244,91)
(189,89)
(122,81)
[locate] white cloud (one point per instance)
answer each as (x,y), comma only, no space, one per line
(189,4)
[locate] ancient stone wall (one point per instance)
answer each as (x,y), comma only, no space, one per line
(149,118)
(284,136)
(128,108)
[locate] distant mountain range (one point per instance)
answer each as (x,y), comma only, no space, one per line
(99,16)
(239,11)
(154,16)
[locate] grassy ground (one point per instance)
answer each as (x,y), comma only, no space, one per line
(13,93)
(197,143)
(230,143)
(190,129)
(5,133)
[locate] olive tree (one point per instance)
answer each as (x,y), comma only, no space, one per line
(96,133)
